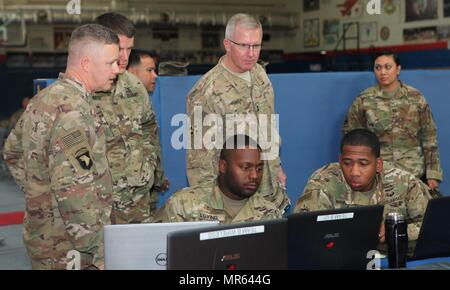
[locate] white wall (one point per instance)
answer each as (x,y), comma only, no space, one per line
(394,21)
(40,36)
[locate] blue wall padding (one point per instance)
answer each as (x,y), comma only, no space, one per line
(311,108)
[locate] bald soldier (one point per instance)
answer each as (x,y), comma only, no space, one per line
(361,178)
(231,197)
(133,135)
(236,85)
(57,155)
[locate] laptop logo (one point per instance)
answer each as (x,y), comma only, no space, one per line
(230,257)
(161,259)
(330,245)
(331,236)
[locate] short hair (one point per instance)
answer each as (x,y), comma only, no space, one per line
(91,33)
(237,142)
(136,55)
(387,53)
(243,20)
(362,137)
(118,23)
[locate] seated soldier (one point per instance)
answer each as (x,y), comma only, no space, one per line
(361,178)
(229,199)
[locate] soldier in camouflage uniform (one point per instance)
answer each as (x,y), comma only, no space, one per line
(4,131)
(133,135)
(173,68)
(229,199)
(236,85)
(401,118)
(57,155)
(361,178)
(143,65)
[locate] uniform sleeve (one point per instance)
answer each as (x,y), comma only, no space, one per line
(150,128)
(355,117)
(171,211)
(201,164)
(416,204)
(270,96)
(80,186)
(315,197)
(429,144)
(13,154)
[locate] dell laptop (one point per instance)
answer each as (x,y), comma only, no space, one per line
(141,246)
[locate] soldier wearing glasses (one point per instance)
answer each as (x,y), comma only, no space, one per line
(236,85)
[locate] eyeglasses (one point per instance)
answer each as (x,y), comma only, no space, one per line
(245,46)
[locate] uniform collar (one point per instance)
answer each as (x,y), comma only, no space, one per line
(216,203)
(238,82)
(76,83)
(374,196)
(399,92)
(119,88)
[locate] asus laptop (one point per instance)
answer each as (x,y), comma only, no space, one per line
(246,246)
(334,239)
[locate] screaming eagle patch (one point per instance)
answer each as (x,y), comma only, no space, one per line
(84,158)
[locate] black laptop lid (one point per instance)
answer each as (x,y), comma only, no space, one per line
(434,236)
(333,239)
(258,245)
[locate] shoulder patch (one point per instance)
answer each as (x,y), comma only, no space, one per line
(84,158)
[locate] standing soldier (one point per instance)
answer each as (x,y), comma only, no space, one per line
(57,155)
(143,65)
(133,137)
(401,118)
(236,85)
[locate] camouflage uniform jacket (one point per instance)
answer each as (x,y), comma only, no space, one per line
(134,151)
(221,92)
(204,202)
(396,189)
(405,126)
(56,154)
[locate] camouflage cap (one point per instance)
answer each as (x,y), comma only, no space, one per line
(173,68)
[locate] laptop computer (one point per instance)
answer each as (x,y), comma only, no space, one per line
(141,246)
(434,235)
(334,239)
(257,245)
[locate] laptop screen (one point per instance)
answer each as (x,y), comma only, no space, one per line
(334,239)
(247,246)
(434,236)
(141,246)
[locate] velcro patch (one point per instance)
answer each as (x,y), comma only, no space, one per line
(72,139)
